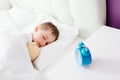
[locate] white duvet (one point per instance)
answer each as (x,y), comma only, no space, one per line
(15,63)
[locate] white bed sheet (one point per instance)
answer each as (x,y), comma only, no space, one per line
(105,49)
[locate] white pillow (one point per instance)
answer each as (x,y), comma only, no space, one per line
(42,6)
(56,8)
(4,5)
(89,15)
(37,7)
(51,52)
(20,18)
(21,3)
(62,10)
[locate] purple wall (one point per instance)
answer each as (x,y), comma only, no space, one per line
(113,13)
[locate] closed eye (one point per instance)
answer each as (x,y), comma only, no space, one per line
(44,37)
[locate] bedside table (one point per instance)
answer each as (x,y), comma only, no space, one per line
(104,45)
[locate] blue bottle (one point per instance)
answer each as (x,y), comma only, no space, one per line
(83,55)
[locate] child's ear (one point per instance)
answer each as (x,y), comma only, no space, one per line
(37,28)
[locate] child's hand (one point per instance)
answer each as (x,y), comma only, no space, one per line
(34,50)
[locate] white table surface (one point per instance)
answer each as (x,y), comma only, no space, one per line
(104,45)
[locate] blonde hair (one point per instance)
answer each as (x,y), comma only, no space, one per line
(52,27)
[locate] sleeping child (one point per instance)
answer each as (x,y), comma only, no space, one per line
(18,50)
(43,35)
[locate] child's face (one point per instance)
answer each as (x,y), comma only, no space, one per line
(43,37)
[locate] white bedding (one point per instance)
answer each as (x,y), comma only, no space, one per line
(15,63)
(14,20)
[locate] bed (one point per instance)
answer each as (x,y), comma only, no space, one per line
(77,20)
